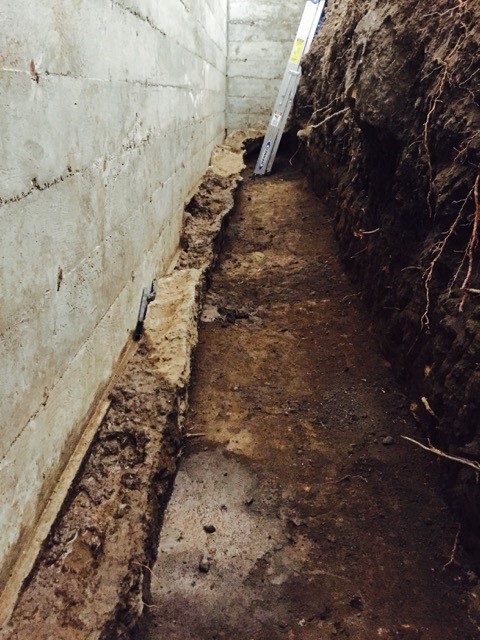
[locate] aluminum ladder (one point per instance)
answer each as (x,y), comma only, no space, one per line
(309,25)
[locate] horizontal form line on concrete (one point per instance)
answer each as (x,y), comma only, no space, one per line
(154,26)
(52,294)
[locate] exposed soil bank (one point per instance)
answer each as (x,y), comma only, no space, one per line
(298,512)
(390,123)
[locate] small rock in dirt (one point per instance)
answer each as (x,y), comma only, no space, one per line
(356,603)
(388,441)
(209,528)
(472,578)
(296,521)
(331,538)
(123,509)
(232,315)
(278,547)
(249,502)
(204,564)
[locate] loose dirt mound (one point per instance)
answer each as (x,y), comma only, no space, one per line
(389,118)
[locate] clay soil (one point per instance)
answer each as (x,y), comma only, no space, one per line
(327,524)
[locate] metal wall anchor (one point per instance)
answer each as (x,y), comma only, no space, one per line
(148,295)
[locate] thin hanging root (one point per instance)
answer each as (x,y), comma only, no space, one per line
(473,242)
(150,606)
(439,247)
(290,162)
(434,101)
(469,463)
(438,251)
(460,157)
(332,115)
(154,576)
(465,255)
(427,406)
(454,549)
(426,135)
(321,110)
(460,4)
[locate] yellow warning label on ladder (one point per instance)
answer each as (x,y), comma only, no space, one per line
(297,50)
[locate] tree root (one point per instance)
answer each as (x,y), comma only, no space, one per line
(473,242)
(454,549)
(469,463)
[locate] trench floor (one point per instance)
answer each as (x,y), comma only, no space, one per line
(327,524)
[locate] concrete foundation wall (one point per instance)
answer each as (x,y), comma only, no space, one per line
(109,112)
(260,37)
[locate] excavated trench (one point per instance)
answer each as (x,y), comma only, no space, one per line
(298,510)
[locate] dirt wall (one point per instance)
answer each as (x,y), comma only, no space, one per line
(388,117)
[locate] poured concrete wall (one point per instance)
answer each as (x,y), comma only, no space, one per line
(109,112)
(260,38)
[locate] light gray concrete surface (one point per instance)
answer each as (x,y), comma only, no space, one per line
(109,113)
(260,38)
(212,490)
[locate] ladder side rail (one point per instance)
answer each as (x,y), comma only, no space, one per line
(315,25)
(276,126)
(281,129)
(305,33)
